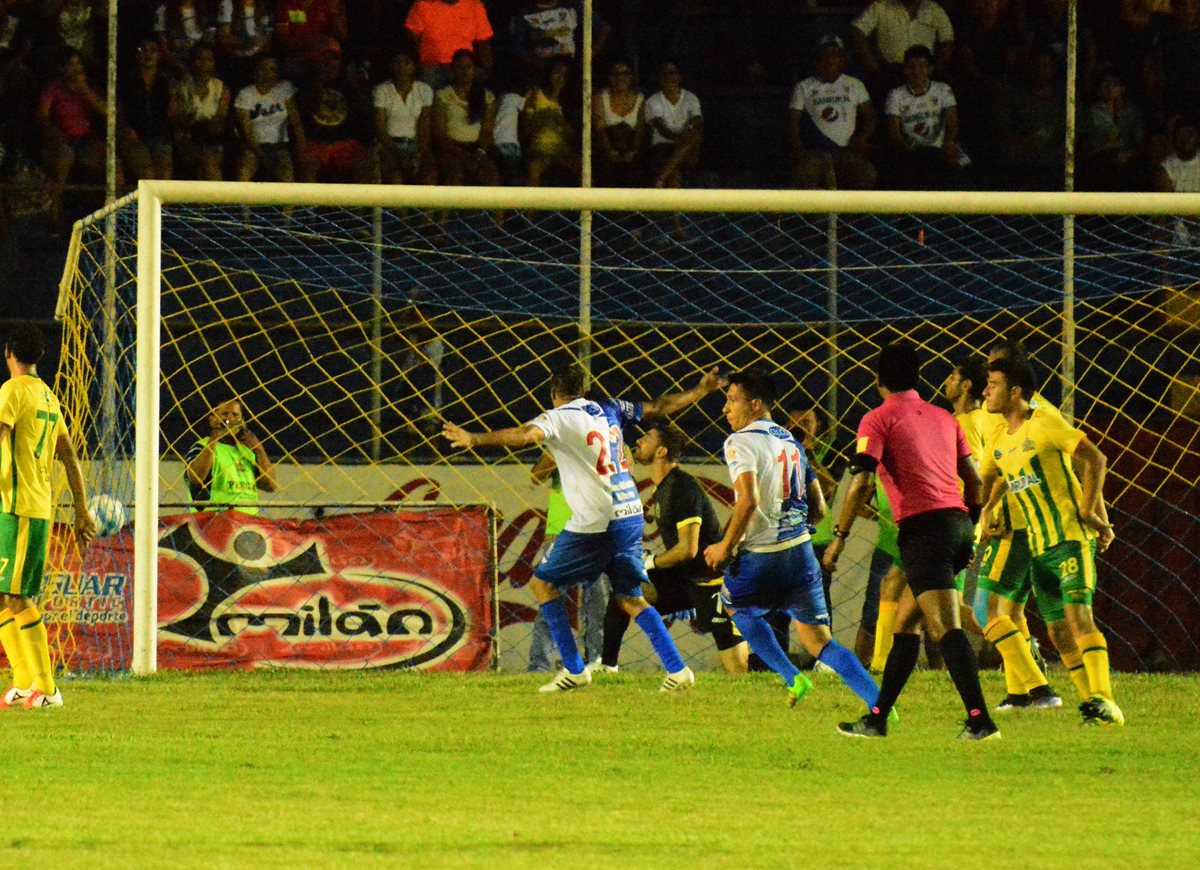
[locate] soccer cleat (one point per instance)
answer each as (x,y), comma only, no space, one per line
(1097,710)
(565,681)
(893,715)
(1014,702)
(1044,698)
(602,668)
(867,726)
(15,697)
(679,681)
(800,687)
(38,701)
(979,729)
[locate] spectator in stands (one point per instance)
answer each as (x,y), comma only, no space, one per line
(989,43)
(1029,127)
(230,465)
(269,124)
(336,114)
(74,24)
(548,139)
(896,26)
(200,118)
(1174,62)
(676,128)
(922,119)
(1112,141)
(403,125)
(619,127)
(830,124)
(18,81)
(69,115)
(146,94)
(244,30)
(544,31)
(180,26)
(442,28)
(506,138)
(306,31)
(1180,172)
(464,116)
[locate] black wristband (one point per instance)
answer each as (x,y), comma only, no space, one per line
(974,511)
(838,533)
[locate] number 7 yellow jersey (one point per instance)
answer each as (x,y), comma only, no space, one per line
(27,452)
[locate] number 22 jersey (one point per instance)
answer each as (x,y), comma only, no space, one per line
(585,438)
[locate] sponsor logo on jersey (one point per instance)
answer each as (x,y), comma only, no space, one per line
(1027,446)
(1022,483)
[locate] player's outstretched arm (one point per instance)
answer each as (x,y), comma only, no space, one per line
(673,403)
(515,436)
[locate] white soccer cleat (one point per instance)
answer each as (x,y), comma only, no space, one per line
(38,701)
(566,681)
(679,681)
(15,697)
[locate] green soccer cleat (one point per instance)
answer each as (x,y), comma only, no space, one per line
(800,687)
(893,715)
(1097,710)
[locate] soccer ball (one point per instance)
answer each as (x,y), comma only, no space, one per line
(107,513)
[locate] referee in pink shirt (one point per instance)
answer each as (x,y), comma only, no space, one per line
(921,454)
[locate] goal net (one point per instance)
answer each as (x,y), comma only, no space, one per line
(350,321)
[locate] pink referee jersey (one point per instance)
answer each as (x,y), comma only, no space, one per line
(917,446)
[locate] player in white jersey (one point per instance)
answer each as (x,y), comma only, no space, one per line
(766,549)
(604,534)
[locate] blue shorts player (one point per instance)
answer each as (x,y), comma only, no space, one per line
(604,534)
(773,567)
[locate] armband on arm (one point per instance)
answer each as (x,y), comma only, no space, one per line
(862,462)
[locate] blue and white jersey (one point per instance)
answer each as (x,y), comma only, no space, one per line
(585,438)
(782,474)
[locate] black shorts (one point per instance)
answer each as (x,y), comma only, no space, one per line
(680,589)
(934,547)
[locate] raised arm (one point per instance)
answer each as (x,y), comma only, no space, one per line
(665,406)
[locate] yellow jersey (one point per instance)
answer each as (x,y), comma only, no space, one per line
(27,452)
(973,423)
(994,427)
(1035,462)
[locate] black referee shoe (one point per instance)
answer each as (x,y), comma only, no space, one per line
(979,728)
(867,726)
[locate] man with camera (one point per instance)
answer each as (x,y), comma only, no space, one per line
(229,467)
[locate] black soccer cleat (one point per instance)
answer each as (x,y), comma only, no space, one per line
(1014,702)
(1044,698)
(979,728)
(867,726)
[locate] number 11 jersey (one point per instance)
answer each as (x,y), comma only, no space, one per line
(782,475)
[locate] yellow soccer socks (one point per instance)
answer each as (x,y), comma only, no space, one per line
(1094,649)
(884,625)
(1020,670)
(35,647)
(10,638)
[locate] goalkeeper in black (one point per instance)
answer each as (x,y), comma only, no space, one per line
(679,578)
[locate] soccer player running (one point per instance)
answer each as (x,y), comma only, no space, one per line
(604,534)
(773,567)
(32,434)
(920,453)
(1057,476)
(681,579)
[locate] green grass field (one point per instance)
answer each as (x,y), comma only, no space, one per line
(302,769)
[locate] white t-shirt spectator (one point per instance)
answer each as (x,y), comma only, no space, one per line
(1185,178)
(895,30)
(675,116)
(402,113)
(268,112)
(458,127)
(922,117)
(508,119)
(832,108)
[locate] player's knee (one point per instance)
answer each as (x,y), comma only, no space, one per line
(632,604)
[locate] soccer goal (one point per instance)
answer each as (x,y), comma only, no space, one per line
(351,320)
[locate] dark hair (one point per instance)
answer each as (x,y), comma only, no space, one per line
(670,437)
(755,384)
(1017,373)
(568,380)
(547,75)
(26,342)
(918,51)
(476,94)
(974,369)
(898,366)
(1008,348)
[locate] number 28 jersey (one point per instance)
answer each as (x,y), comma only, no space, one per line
(782,474)
(584,437)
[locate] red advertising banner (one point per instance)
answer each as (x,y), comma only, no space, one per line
(397,589)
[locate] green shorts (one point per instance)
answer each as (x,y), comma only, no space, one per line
(23,545)
(1007,570)
(1071,567)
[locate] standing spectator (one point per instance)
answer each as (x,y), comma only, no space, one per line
(676,128)
(231,465)
(200,117)
(244,30)
(830,125)
(268,122)
(180,26)
(69,115)
(442,28)
(548,140)
(544,31)
(74,25)
(896,26)
(403,125)
(619,127)
(305,32)
(464,116)
(1180,172)
(335,112)
(146,95)
(1112,141)
(922,117)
